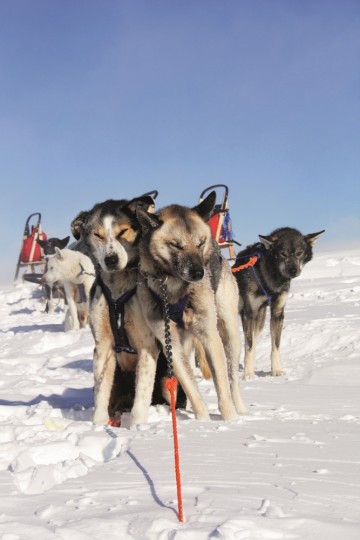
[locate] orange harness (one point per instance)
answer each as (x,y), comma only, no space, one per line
(251,262)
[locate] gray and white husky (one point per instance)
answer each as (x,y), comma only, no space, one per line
(176,251)
(281,257)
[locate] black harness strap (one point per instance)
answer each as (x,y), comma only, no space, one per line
(83,298)
(175,311)
(116,314)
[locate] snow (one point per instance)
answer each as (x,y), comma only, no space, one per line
(290,469)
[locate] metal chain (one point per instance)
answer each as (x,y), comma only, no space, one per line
(169,358)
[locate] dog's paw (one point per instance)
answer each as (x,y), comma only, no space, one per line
(202,413)
(203,417)
(277,372)
(242,410)
(248,375)
(100,418)
(138,418)
(228,412)
(115,421)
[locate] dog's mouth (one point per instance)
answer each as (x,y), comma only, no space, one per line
(292,272)
(113,263)
(191,275)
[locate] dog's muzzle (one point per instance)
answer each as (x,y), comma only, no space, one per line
(292,271)
(111,261)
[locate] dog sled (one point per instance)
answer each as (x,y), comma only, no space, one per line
(220,221)
(31,255)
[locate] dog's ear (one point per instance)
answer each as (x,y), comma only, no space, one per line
(268,241)
(64,242)
(206,207)
(148,222)
(42,243)
(58,253)
(78,223)
(145,201)
(313,237)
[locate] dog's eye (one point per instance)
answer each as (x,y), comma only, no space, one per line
(176,245)
(299,253)
(98,235)
(122,232)
(283,255)
(201,243)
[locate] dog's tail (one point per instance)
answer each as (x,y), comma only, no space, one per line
(200,359)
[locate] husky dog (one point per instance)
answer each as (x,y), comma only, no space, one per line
(48,246)
(75,272)
(177,252)
(110,233)
(281,257)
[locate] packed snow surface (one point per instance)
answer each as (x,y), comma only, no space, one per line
(290,469)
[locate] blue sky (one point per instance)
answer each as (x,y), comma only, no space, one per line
(109,99)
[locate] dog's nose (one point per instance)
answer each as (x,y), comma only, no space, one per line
(197,273)
(111,261)
(293,272)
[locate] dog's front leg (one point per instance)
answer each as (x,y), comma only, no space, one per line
(218,364)
(145,378)
(104,369)
(71,316)
(249,326)
(104,356)
(229,330)
(49,308)
(185,374)
(276,326)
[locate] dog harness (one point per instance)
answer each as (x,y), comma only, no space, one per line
(116,315)
(253,259)
(176,311)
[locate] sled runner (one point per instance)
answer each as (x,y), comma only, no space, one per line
(220,221)
(31,254)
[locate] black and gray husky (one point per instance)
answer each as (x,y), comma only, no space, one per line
(281,257)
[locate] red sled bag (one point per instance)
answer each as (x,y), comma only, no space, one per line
(31,251)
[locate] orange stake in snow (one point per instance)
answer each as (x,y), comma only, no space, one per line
(171,385)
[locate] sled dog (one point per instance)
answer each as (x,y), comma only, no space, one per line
(48,246)
(110,234)
(176,251)
(281,257)
(75,272)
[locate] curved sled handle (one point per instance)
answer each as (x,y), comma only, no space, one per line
(32,215)
(210,188)
(152,194)
(225,197)
(27,228)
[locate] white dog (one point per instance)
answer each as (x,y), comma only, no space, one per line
(75,272)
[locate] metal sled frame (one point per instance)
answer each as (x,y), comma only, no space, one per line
(31,265)
(218,218)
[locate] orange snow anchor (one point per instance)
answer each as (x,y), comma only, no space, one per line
(171,385)
(251,262)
